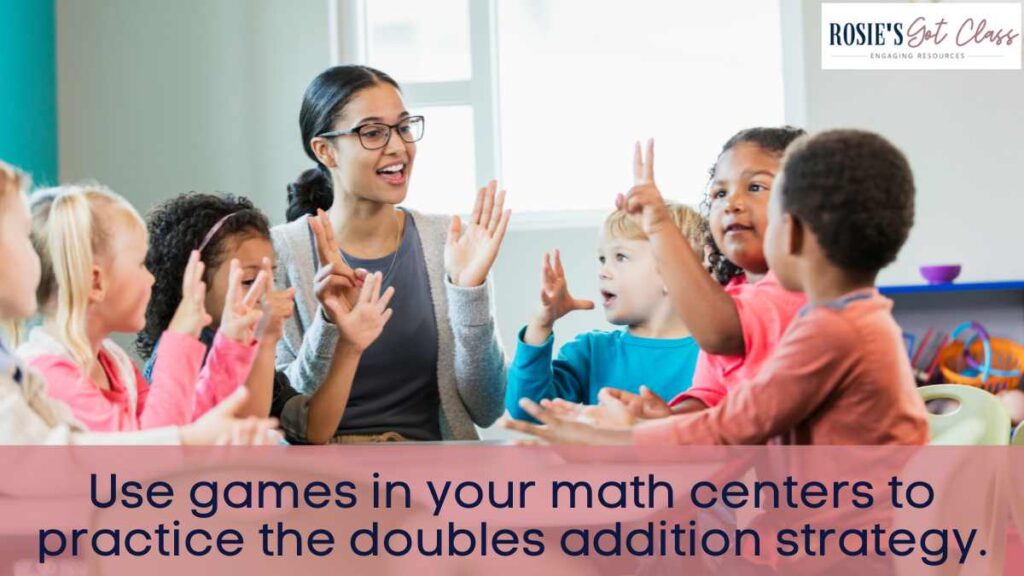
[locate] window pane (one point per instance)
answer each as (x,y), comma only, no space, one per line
(576,92)
(417,41)
(442,178)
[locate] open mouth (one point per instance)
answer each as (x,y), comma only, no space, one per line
(608,298)
(737,228)
(393,174)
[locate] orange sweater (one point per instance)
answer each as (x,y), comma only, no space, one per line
(840,375)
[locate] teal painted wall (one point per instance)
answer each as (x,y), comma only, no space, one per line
(28,99)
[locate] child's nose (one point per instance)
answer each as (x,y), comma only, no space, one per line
(735,202)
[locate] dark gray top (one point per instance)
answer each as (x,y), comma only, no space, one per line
(398,392)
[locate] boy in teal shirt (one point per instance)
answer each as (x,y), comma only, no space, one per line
(654,350)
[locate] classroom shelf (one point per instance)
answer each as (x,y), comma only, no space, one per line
(1006,286)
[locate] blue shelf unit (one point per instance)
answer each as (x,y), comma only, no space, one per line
(1009,285)
(997,305)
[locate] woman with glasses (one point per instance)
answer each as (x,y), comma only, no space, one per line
(438,368)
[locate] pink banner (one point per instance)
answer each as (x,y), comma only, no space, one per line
(466,509)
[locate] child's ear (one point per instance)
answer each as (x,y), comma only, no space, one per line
(324,152)
(98,287)
(795,233)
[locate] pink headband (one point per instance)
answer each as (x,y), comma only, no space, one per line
(213,230)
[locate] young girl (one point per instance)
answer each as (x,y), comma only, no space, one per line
(27,414)
(227,228)
(740,312)
(92,245)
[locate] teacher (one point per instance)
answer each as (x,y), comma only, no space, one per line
(438,367)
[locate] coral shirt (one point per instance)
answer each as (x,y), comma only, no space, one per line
(765,309)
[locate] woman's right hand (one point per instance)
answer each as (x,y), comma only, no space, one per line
(336,284)
(364,322)
(191,317)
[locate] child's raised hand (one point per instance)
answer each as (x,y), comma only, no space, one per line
(555,299)
(191,316)
(278,307)
(336,284)
(643,202)
(242,309)
(363,323)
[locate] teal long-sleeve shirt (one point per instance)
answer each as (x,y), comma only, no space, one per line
(595,360)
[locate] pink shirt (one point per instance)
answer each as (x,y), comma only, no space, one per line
(227,367)
(839,376)
(178,393)
(765,309)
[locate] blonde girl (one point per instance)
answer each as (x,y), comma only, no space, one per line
(94,283)
(28,415)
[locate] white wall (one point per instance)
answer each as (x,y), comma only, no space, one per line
(159,97)
(961,131)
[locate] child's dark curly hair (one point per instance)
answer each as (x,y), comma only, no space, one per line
(855,191)
(773,140)
(178,226)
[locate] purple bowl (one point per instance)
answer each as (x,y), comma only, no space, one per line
(940,274)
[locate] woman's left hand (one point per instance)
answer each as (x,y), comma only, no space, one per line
(470,252)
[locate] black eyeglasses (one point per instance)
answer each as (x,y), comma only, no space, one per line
(376,136)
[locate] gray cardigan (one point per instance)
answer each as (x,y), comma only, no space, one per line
(470,359)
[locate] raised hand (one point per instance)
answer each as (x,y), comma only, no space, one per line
(191,317)
(471,250)
(278,307)
(242,309)
(555,299)
(336,284)
(361,325)
(643,202)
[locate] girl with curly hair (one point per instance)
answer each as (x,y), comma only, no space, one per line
(226,229)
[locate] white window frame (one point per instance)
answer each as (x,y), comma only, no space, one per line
(349,45)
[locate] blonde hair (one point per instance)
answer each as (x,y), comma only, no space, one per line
(12,182)
(71,226)
(618,224)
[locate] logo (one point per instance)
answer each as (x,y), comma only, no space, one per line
(912,36)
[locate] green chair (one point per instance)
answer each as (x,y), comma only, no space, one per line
(979,418)
(1018,435)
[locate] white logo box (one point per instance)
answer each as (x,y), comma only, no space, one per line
(935,36)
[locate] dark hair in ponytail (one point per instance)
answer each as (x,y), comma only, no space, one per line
(325,99)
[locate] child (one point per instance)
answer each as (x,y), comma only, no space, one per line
(655,349)
(27,414)
(226,228)
(840,375)
(738,326)
(94,282)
